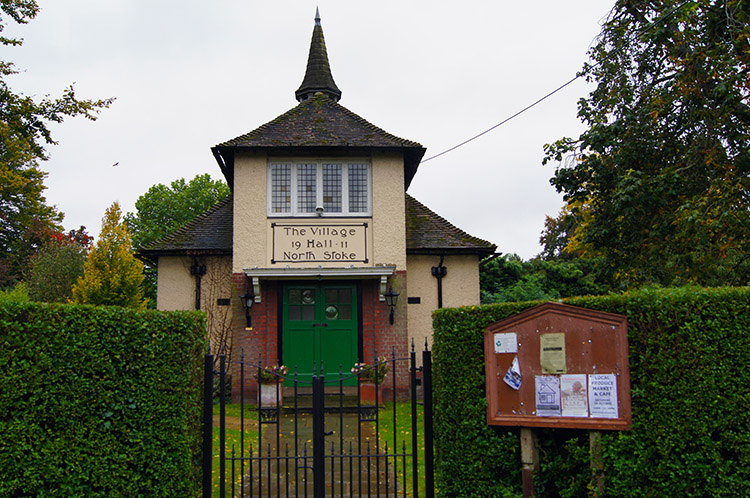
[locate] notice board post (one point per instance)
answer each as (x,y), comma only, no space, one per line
(559,366)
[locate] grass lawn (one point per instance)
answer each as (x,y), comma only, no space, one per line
(404,433)
(232,439)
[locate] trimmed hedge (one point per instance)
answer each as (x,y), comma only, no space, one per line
(690,388)
(99,401)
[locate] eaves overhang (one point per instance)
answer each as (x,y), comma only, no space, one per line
(351,272)
(152,256)
(321,272)
(439,251)
(224,155)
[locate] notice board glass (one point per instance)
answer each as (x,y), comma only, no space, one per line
(557,365)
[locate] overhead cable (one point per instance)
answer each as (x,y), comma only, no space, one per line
(664,17)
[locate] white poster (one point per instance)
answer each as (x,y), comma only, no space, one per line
(547,396)
(506,343)
(603,396)
(573,395)
(513,375)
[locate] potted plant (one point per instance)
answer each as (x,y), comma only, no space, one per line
(371,380)
(269,382)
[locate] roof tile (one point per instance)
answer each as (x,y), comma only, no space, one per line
(428,232)
(209,232)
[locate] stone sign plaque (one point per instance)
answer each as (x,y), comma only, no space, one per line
(319,243)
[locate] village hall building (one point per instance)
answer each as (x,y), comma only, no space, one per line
(298,265)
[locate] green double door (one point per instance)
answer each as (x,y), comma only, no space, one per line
(320,325)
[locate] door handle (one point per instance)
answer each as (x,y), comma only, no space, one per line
(320,325)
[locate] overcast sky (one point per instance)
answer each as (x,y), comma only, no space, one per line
(190,74)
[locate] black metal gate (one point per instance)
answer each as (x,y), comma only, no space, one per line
(322,437)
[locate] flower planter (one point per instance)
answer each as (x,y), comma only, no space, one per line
(367,392)
(270,395)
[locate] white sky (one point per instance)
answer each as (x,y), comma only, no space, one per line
(189,74)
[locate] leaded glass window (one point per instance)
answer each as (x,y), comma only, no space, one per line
(306,188)
(332,188)
(281,191)
(319,188)
(358,188)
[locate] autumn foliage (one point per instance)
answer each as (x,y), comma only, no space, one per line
(112,275)
(658,186)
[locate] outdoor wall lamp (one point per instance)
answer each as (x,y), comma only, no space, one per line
(247,303)
(198,271)
(391,299)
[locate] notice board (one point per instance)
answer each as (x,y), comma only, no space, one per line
(557,365)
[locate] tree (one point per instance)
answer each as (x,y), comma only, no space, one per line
(112,275)
(57,266)
(164,209)
(658,186)
(24,133)
(510,279)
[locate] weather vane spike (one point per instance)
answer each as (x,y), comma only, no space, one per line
(317,16)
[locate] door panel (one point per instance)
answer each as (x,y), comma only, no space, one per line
(319,325)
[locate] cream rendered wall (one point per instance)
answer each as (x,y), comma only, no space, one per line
(250,213)
(253,234)
(217,282)
(388,210)
(460,288)
(175,287)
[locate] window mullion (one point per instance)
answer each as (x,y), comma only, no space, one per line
(369,188)
(345,189)
(318,185)
(294,190)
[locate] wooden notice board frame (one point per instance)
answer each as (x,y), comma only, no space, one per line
(595,349)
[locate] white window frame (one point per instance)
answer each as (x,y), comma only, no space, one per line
(294,212)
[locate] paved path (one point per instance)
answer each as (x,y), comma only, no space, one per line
(289,473)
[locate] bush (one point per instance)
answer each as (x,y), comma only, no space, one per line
(19,293)
(99,402)
(690,389)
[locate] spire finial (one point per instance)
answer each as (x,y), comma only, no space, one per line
(318,76)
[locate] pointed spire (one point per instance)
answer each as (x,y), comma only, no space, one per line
(318,76)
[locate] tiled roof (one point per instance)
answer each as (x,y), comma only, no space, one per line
(319,126)
(319,122)
(210,232)
(427,232)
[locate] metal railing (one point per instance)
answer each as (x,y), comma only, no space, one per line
(292,457)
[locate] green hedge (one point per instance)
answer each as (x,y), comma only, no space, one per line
(99,401)
(690,383)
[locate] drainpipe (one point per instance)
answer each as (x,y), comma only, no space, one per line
(197,271)
(439,272)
